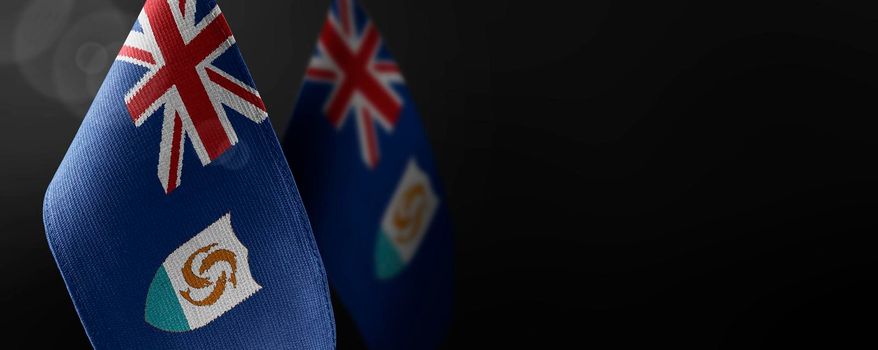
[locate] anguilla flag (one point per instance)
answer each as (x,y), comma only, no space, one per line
(174,218)
(358,150)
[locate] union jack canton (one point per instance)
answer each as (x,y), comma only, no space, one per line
(348,57)
(178,45)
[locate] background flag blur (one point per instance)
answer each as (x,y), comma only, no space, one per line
(368,180)
(174,218)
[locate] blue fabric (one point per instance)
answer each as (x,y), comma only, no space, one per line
(111,226)
(395,305)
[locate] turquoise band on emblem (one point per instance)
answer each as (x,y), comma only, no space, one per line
(388,263)
(163,310)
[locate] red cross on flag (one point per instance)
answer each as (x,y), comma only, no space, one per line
(178,48)
(348,57)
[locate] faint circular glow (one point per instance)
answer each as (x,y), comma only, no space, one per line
(39,27)
(235,157)
(92,58)
(73,71)
(83,57)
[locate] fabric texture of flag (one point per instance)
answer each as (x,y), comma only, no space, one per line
(367,175)
(174,217)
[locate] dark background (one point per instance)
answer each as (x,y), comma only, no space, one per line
(696,174)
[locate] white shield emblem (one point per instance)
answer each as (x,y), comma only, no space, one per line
(201,280)
(406,221)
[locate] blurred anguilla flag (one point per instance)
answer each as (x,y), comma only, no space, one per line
(174,218)
(368,179)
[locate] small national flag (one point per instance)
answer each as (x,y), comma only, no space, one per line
(368,180)
(174,218)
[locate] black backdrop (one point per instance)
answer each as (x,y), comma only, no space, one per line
(694,174)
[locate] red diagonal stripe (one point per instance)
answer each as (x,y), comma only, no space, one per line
(371,136)
(147,95)
(236,89)
(137,54)
(320,73)
(386,67)
(209,39)
(176,138)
